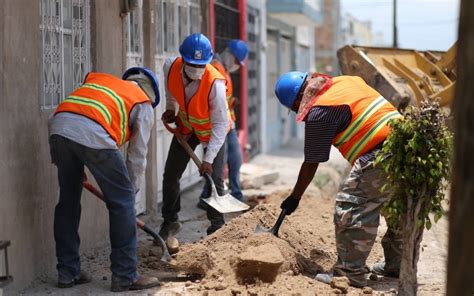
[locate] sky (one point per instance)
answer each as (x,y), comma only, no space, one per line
(422,24)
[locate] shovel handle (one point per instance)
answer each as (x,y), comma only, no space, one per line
(279,221)
(183,143)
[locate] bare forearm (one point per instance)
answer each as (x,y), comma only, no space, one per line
(306,175)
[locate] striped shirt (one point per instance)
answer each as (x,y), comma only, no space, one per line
(322,124)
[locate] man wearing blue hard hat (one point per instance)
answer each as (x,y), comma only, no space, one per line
(227,62)
(196,90)
(345,112)
(87,130)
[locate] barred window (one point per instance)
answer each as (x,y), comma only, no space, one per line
(135,36)
(65,33)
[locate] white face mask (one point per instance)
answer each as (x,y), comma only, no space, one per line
(194,73)
(229,61)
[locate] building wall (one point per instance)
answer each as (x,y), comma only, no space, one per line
(28,181)
(328,38)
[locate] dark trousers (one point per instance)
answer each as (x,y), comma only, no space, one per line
(110,172)
(175,165)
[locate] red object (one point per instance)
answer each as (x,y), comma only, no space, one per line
(212,24)
(243,81)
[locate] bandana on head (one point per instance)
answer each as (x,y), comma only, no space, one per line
(317,85)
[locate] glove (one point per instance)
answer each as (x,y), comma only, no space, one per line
(290,204)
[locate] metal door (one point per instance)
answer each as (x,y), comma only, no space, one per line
(253,91)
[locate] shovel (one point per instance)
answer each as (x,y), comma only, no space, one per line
(157,240)
(222,203)
(275,228)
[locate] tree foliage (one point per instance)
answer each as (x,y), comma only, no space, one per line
(416,158)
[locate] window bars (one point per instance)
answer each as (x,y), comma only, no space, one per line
(65,33)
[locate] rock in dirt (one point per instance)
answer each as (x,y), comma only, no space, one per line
(341,283)
(173,245)
(259,263)
(367,290)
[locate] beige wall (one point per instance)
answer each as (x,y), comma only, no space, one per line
(28,181)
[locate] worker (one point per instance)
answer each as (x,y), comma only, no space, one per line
(347,113)
(198,90)
(226,63)
(87,129)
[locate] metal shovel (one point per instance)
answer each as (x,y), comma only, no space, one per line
(222,203)
(275,228)
(157,239)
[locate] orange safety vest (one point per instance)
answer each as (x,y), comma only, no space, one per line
(108,101)
(370,115)
(194,117)
(229,90)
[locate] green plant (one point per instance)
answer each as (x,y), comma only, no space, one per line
(416,158)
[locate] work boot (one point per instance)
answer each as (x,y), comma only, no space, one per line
(168,229)
(202,204)
(213,228)
(379,269)
(143,282)
(83,278)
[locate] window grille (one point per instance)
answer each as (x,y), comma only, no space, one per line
(65,34)
(135,36)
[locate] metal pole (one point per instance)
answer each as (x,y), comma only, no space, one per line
(395,36)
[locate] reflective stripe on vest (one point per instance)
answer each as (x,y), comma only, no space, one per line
(108,101)
(357,147)
(120,106)
(92,103)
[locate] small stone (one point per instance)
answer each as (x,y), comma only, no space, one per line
(325,216)
(373,277)
(197,281)
(235,291)
(104,278)
(220,287)
(393,291)
(289,273)
(341,283)
(367,290)
(205,293)
(188,283)
(336,291)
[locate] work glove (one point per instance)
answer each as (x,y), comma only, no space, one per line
(168,116)
(290,204)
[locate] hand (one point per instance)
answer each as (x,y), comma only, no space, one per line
(205,168)
(168,116)
(290,204)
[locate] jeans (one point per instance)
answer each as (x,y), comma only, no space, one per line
(110,172)
(234,161)
(175,165)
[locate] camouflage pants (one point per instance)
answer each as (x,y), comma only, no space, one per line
(356,219)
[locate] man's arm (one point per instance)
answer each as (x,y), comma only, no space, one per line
(170,100)
(306,175)
(219,119)
(141,123)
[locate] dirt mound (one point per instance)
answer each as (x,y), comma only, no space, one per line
(235,256)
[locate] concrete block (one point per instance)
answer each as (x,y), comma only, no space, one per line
(259,263)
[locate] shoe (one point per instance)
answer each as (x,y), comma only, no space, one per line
(169,229)
(328,277)
(143,282)
(213,228)
(379,269)
(202,205)
(83,278)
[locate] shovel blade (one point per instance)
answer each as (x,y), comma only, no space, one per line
(226,203)
(260,229)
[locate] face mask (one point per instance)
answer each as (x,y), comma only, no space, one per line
(228,60)
(194,73)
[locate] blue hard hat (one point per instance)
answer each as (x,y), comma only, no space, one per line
(196,49)
(288,86)
(239,49)
(147,72)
